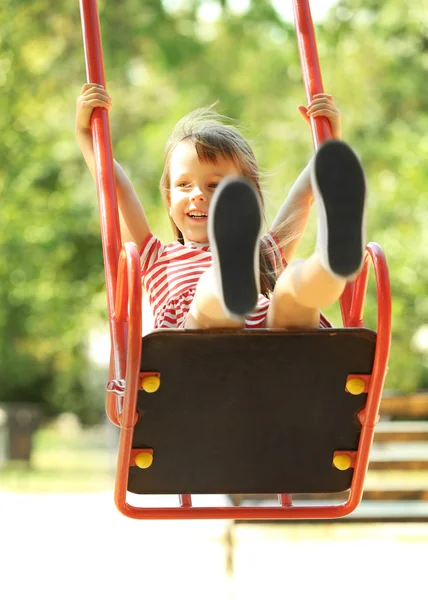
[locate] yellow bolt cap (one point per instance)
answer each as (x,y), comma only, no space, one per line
(342,461)
(355,386)
(144,460)
(150,384)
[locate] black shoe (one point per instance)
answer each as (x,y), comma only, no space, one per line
(339,188)
(234,225)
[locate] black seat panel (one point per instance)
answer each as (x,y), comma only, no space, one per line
(250,412)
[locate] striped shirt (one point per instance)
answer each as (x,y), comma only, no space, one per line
(170,273)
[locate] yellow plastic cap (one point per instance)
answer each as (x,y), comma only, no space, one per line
(342,461)
(150,384)
(355,386)
(144,460)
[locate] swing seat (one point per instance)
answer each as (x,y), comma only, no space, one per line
(247,412)
(261,412)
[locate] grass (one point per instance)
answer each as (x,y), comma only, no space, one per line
(65,459)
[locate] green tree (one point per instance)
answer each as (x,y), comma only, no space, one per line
(385,110)
(50,254)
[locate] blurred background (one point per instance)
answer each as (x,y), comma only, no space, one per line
(164,58)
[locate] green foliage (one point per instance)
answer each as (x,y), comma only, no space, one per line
(160,63)
(50,259)
(384,109)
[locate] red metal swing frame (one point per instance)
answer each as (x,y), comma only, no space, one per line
(124,301)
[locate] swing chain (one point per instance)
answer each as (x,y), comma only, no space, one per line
(116,386)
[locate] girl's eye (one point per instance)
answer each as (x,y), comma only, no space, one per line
(213,185)
(183,184)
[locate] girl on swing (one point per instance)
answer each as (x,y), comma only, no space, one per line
(219,272)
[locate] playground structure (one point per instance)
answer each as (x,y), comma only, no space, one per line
(304,425)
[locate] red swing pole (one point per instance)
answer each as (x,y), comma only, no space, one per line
(106,189)
(312,80)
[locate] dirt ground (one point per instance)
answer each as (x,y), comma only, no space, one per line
(78,546)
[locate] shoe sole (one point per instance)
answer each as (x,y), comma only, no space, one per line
(234,231)
(340,189)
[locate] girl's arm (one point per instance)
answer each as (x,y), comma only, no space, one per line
(290,222)
(133,221)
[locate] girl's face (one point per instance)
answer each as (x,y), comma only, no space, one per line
(192,186)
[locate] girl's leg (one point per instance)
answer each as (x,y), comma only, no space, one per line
(229,289)
(207,310)
(307,285)
(301,290)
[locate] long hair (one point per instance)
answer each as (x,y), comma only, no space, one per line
(213,136)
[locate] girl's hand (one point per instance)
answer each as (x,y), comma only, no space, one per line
(322,105)
(92,96)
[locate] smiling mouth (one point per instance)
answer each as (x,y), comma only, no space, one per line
(197,216)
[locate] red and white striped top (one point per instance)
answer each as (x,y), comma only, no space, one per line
(170,273)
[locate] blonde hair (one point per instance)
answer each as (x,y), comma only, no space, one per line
(214,136)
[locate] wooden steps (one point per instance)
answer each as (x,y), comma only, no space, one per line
(409,407)
(381,511)
(399,455)
(401,431)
